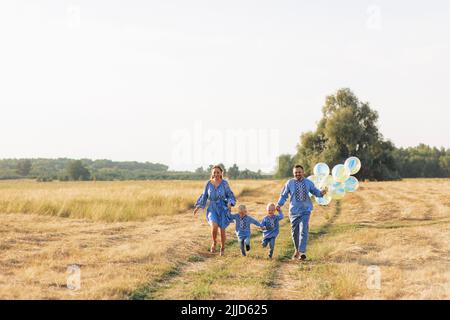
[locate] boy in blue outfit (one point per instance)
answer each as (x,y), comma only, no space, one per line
(271,224)
(243,222)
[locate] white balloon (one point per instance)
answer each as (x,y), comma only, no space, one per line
(340,173)
(337,191)
(325,182)
(353,164)
(314,179)
(351,184)
(323,201)
(321,169)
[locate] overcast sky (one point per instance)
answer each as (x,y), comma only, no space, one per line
(189,83)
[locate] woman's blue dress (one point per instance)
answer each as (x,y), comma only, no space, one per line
(219,198)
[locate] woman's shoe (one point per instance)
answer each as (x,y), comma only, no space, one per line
(222,251)
(213,248)
(295,256)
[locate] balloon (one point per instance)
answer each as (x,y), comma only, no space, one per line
(337,191)
(314,179)
(321,169)
(351,184)
(340,173)
(353,164)
(323,201)
(325,182)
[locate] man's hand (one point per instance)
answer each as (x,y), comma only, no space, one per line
(324,191)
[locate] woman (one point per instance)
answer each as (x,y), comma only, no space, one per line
(221,199)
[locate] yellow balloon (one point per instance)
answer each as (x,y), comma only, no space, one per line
(337,191)
(340,173)
(325,182)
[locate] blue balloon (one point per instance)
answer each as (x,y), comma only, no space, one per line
(351,184)
(340,173)
(353,164)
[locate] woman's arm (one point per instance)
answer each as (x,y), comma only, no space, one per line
(201,202)
(231,217)
(231,199)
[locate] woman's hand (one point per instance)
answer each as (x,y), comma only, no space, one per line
(196,210)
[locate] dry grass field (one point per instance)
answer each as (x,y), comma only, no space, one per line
(139,240)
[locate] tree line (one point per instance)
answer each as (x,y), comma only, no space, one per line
(64,169)
(348,127)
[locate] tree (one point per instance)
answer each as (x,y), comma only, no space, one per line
(284,166)
(348,128)
(423,161)
(199,170)
(77,171)
(24,167)
(233,172)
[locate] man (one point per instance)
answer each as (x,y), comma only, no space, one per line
(300,208)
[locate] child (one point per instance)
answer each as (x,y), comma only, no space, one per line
(271,223)
(243,222)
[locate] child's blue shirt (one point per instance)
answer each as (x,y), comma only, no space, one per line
(272,225)
(243,224)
